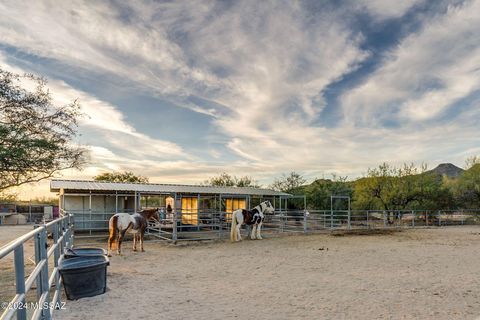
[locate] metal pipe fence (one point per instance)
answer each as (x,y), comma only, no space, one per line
(190,225)
(45,279)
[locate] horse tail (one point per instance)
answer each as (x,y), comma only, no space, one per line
(113,229)
(233,230)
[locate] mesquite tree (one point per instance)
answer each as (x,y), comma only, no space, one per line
(125,176)
(36,137)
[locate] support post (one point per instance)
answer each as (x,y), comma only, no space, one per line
(198,212)
(304,214)
(174,223)
(38,258)
(304,221)
(349,215)
(331,212)
(56,257)
(221,212)
(135,203)
(20,280)
(90,211)
(44,272)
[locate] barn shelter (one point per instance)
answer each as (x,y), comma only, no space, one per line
(93,202)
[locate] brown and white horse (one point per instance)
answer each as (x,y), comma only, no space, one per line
(253,218)
(136,223)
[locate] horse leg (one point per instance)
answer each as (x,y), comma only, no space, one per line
(141,239)
(134,242)
(239,235)
(112,233)
(120,239)
(119,243)
(253,232)
(111,241)
(259,237)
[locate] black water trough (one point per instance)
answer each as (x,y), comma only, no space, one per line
(84,276)
(84,252)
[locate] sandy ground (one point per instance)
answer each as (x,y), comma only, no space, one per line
(413,274)
(7,275)
(9,233)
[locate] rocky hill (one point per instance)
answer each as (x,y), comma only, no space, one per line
(447,169)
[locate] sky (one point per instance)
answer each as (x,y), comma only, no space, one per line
(179,91)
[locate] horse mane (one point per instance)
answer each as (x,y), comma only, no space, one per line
(260,209)
(148,213)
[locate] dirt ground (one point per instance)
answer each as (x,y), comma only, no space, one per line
(9,233)
(413,274)
(7,275)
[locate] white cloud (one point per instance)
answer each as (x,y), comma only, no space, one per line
(385,9)
(265,67)
(428,72)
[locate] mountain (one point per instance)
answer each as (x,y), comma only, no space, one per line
(447,169)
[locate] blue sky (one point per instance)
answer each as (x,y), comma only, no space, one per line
(182,90)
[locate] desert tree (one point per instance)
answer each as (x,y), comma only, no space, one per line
(36,136)
(226,180)
(288,182)
(124,176)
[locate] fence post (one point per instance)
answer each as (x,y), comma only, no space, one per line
(174,227)
(439,218)
(414,216)
(20,280)
(281,221)
(305,221)
(349,217)
(56,257)
(38,258)
(384,219)
(45,287)
(331,212)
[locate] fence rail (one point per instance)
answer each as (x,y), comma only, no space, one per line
(61,230)
(189,225)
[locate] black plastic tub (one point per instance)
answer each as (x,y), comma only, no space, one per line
(84,252)
(84,276)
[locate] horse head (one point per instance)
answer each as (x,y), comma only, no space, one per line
(151,214)
(156,215)
(267,207)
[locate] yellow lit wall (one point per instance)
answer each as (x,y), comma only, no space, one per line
(190,211)
(232,205)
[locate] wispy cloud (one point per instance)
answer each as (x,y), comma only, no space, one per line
(425,74)
(265,77)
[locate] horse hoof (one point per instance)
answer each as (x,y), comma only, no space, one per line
(143,250)
(109,255)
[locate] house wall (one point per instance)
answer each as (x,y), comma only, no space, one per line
(102,208)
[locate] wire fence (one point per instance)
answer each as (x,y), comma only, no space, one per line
(32,213)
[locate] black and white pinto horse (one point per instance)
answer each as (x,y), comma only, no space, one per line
(252,218)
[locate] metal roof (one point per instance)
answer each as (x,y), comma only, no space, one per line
(88,185)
